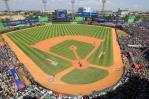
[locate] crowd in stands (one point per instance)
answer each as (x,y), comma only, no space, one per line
(138,45)
(135,53)
(138,34)
(8,87)
(132,86)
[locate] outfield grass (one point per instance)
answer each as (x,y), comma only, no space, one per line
(85,76)
(83,49)
(106,47)
(26,38)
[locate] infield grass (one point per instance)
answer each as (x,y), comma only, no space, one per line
(83,49)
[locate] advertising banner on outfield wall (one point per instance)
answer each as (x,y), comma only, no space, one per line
(33,20)
(79,19)
(99,19)
(11,23)
(131,19)
(1,25)
(121,20)
(86,14)
(43,19)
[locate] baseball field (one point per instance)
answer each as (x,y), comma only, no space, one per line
(71,59)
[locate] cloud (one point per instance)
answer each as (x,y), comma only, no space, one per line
(66,4)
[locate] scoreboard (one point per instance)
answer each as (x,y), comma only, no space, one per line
(61,15)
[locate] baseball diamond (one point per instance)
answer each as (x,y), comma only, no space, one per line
(71,59)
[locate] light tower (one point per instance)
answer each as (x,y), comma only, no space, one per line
(44,5)
(72,4)
(7,5)
(103,6)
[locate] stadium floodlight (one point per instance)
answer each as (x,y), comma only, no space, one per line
(72,3)
(7,5)
(44,5)
(103,6)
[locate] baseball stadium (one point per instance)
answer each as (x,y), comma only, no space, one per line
(73,55)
